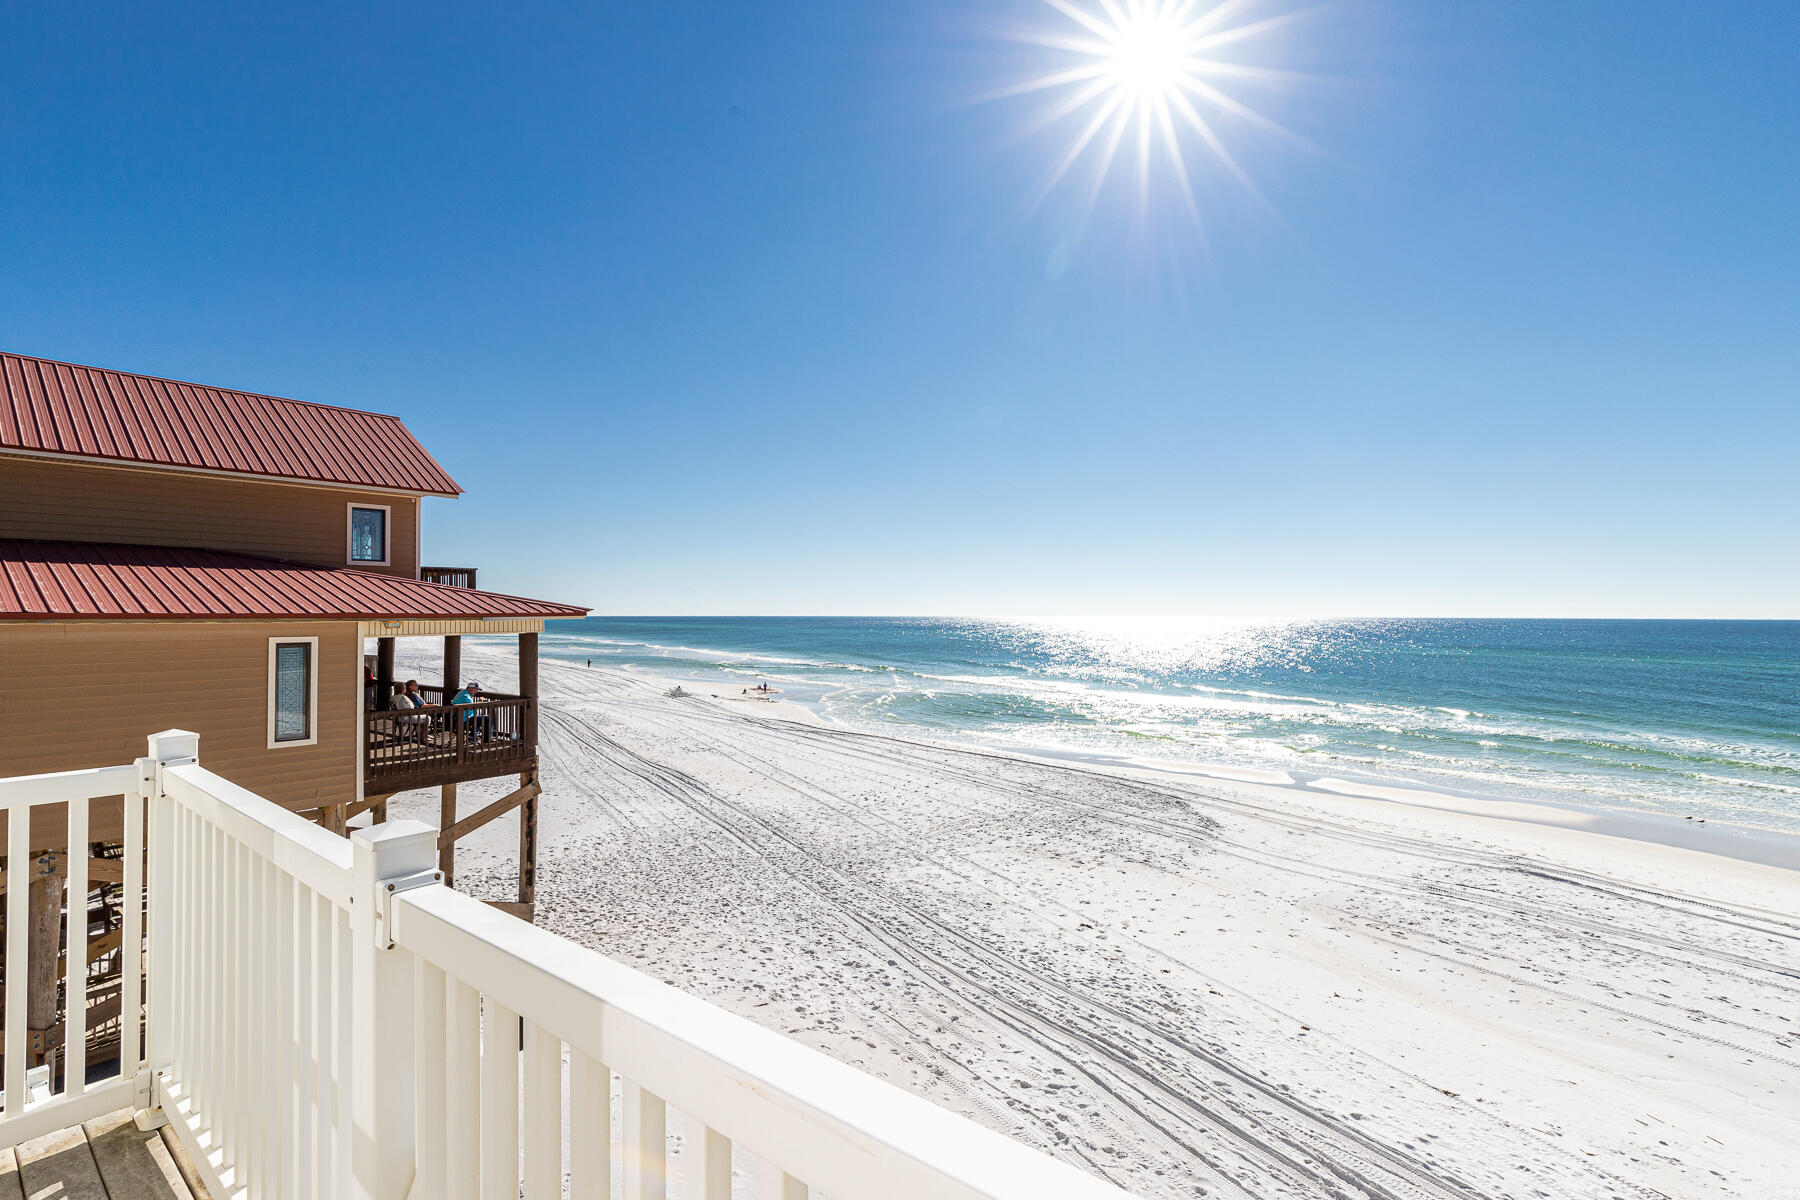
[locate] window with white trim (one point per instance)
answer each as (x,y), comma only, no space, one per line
(369,534)
(293,691)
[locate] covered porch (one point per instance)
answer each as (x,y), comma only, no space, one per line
(445,744)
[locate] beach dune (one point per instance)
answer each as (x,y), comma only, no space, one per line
(1192,987)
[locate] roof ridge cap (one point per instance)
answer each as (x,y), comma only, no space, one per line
(216,387)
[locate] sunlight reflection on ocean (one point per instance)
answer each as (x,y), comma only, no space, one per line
(1684,717)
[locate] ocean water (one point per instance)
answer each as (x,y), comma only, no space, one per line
(1692,718)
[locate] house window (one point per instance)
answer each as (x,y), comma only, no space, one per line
(369,534)
(293,691)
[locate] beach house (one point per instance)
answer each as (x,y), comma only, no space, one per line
(177,555)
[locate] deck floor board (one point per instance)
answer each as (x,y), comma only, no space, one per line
(60,1166)
(10,1187)
(131,1162)
(109,1158)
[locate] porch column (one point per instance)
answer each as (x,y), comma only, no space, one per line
(452,666)
(384,671)
(528,683)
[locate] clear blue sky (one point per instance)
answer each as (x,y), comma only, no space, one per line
(722,307)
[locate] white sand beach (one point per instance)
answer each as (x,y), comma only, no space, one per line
(1191,986)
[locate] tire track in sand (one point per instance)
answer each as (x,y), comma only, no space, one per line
(1310,1152)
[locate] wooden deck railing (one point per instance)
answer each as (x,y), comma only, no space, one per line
(453,576)
(448,743)
(326,1019)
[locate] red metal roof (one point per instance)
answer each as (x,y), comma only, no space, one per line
(60,408)
(85,580)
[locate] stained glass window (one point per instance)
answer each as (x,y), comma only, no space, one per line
(368,535)
(293,691)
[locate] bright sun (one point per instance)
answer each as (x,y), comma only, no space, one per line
(1157,70)
(1144,55)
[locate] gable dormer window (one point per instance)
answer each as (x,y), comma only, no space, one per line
(369,535)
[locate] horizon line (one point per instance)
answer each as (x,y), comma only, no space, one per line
(892,616)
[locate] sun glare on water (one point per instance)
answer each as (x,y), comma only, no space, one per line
(1150,80)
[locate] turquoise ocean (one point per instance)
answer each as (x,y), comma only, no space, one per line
(1683,718)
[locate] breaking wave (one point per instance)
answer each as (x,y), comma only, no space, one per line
(1674,717)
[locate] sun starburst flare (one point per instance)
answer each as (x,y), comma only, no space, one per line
(1156,71)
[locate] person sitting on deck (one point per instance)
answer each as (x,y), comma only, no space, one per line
(480,724)
(417,699)
(407,726)
(403,702)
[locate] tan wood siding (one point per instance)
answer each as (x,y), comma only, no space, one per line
(67,501)
(87,694)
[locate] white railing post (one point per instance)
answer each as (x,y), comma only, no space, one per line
(388,859)
(171,747)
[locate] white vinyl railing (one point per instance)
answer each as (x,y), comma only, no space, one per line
(55,811)
(250,984)
(326,1019)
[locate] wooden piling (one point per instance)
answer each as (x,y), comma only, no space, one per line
(528,843)
(45,916)
(446,819)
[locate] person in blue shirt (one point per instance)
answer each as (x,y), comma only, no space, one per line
(479,724)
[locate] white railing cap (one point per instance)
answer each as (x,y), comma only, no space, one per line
(175,745)
(401,847)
